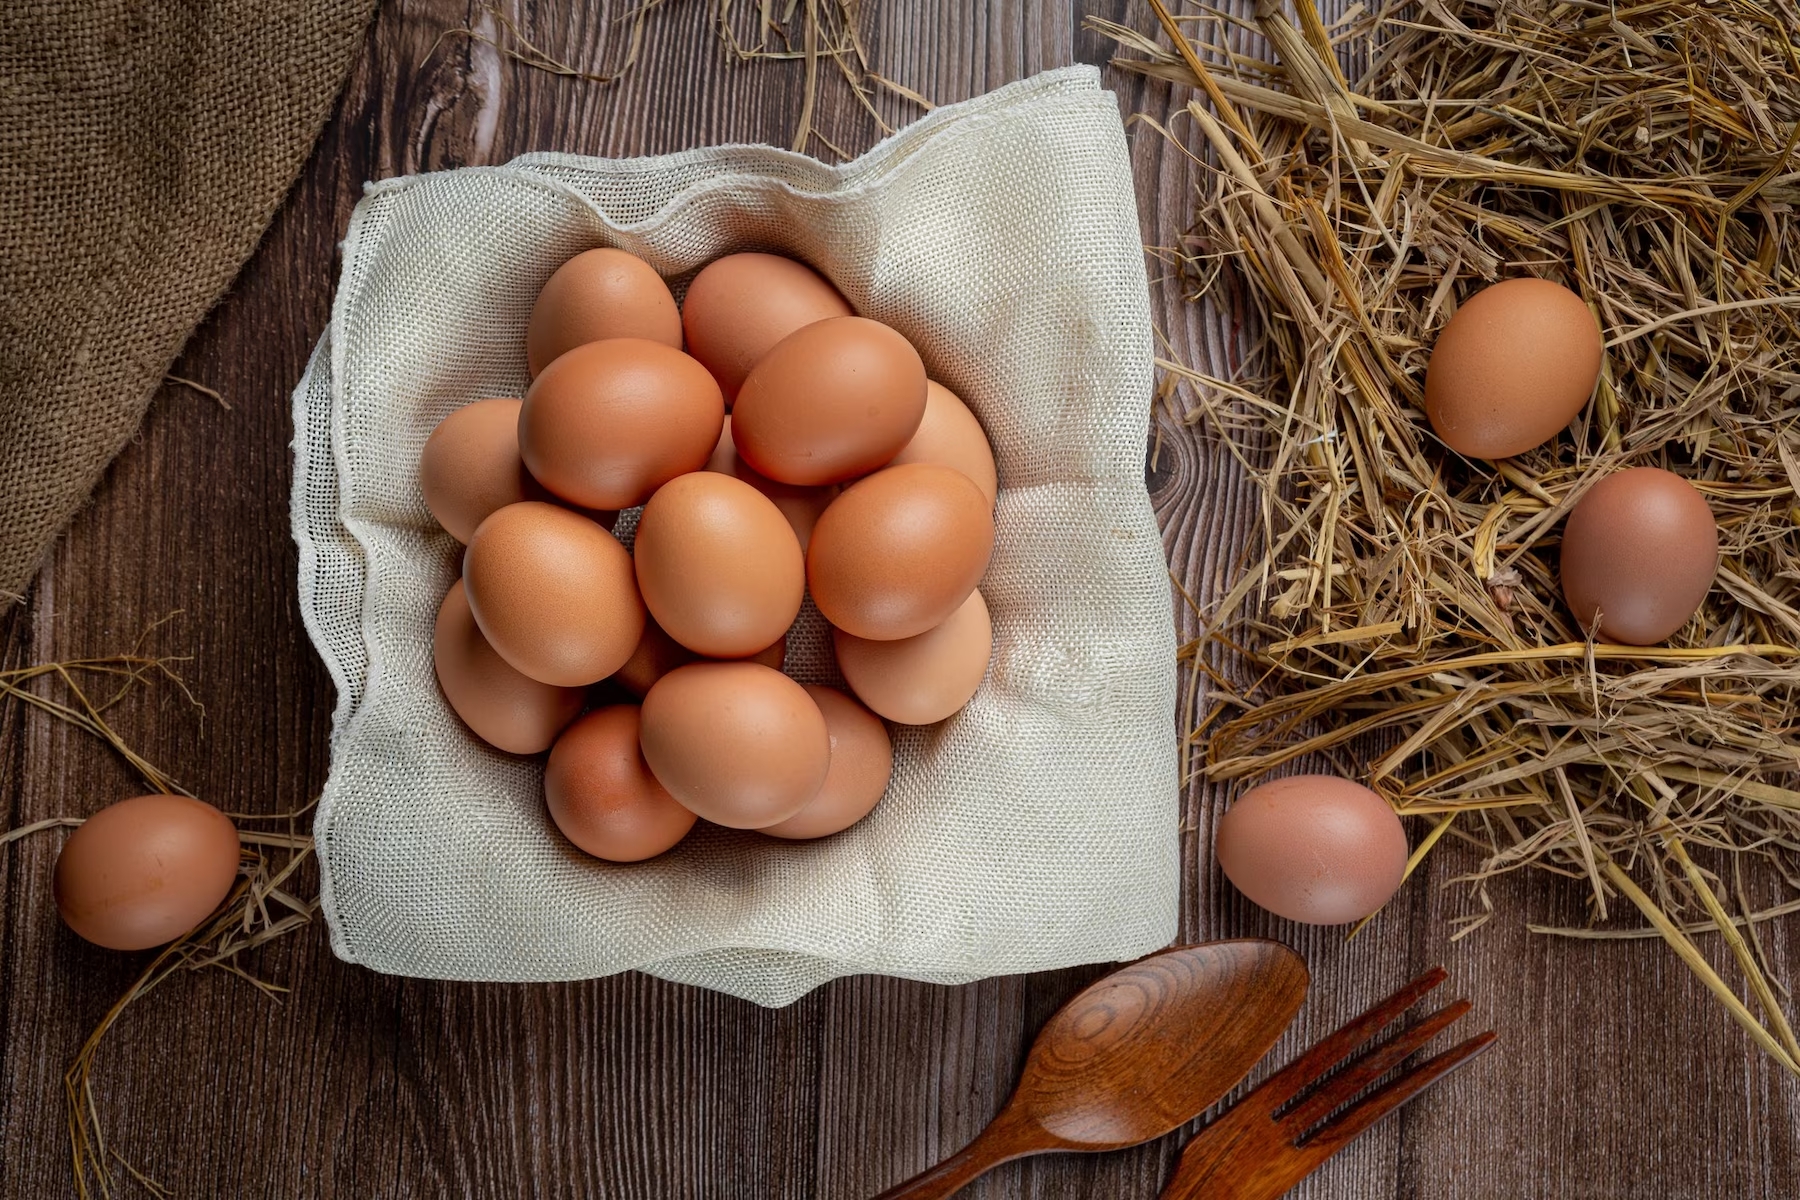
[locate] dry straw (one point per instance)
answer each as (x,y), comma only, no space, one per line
(266,902)
(822,34)
(1399,609)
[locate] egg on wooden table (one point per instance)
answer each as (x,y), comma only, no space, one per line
(600,294)
(146,870)
(553,593)
(601,794)
(738,744)
(503,707)
(1313,848)
(862,762)
(1639,552)
(899,551)
(608,423)
(924,678)
(739,306)
(1512,367)
(830,402)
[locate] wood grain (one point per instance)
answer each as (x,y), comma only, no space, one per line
(1616,1076)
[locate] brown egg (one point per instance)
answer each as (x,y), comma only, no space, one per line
(657,654)
(1313,848)
(830,402)
(144,871)
(596,295)
(471,466)
(1639,550)
(900,551)
(601,793)
(862,761)
(737,743)
(718,565)
(609,422)
(741,305)
(950,436)
(507,710)
(921,679)
(772,656)
(1512,368)
(553,593)
(800,505)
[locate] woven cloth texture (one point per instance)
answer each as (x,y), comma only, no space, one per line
(1035,829)
(144,148)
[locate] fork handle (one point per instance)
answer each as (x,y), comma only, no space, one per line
(1002,1141)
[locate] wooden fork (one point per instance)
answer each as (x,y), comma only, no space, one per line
(1281,1132)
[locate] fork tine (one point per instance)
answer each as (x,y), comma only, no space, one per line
(1378,1104)
(1285,1084)
(1369,1068)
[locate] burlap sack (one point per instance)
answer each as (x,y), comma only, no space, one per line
(143,150)
(1035,829)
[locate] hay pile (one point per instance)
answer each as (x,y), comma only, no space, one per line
(824,35)
(1400,610)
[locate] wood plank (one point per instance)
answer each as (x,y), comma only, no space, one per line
(1616,1077)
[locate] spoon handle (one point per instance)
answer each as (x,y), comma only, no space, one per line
(1002,1141)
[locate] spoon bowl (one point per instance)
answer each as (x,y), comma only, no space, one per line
(1136,1055)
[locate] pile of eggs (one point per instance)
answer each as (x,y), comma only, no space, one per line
(1510,370)
(777,445)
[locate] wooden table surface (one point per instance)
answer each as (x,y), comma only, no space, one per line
(1615,1075)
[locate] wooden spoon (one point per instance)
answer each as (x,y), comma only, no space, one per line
(1140,1053)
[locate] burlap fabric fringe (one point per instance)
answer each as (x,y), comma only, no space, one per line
(144,148)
